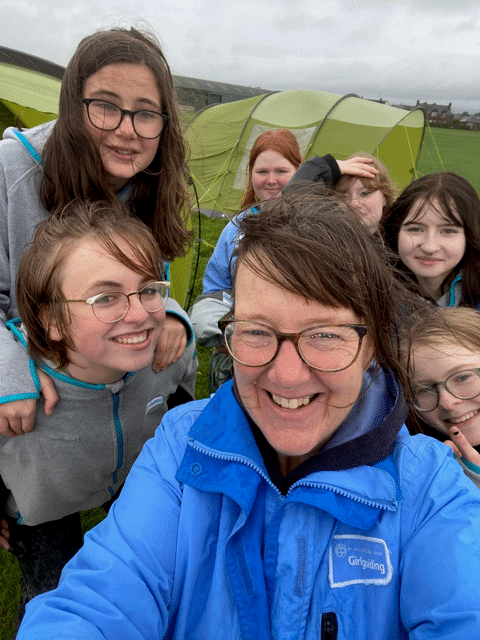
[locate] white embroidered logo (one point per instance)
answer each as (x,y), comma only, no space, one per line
(358,560)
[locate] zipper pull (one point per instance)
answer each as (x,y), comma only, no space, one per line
(329,626)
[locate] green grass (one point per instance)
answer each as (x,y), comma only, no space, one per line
(451,150)
(443,150)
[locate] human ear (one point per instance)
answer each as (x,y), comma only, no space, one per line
(50,325)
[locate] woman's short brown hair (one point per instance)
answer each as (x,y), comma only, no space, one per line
(314,246)
(39,280)
(381,182)
(280,140)
(73,167)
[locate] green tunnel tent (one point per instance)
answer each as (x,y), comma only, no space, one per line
(221,136)
(29,94)
(29,89)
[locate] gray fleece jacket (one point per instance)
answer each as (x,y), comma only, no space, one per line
(78,457)
(20,212)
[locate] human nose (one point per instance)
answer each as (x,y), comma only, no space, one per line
(125,128)
(271,178)
(430,242)
(446,400)
(136,312)
(288,369)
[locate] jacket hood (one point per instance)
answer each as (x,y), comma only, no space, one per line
(32,140)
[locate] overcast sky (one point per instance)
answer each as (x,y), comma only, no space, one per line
(418,49)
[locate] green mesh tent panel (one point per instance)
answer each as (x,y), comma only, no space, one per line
(221,137)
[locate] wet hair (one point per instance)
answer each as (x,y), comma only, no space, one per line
(73,167)
(381,182)
(457,325)
(280,140)
(41,302)
(458,203)
(314,246)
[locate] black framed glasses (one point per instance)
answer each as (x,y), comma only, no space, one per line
(326,348)
(107,116)
(463,385)
(112,306)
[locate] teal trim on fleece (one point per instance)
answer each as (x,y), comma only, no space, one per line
(31,150)
(120,439)
(54,373)
(451,294)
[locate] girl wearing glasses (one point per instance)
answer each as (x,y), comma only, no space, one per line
(445,360)
(92,307)
(117,139)
(293,503)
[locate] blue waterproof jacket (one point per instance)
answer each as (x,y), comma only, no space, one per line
(202,546)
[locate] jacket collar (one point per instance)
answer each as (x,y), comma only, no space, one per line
(356,481)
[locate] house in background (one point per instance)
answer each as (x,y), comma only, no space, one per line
(437,113)
(473,122)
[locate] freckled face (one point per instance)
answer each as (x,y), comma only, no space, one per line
(324,398)
(270,174)
(132,87)
(102,353)
(434,363)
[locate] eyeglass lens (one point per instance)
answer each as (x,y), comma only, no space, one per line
(110,307)
(463,385)
(329,348)
(107,116)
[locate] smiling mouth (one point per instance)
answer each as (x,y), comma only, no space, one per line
(464,418)
(292,403)
(122,152)
(428,259)
(130,338)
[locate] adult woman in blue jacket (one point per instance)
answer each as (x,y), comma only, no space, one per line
(293,503)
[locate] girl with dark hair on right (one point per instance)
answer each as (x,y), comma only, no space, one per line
(434,227)
(117,139)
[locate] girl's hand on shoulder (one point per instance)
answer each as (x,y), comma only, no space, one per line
(460,445)
(171,344)
(18,417)
(357,166)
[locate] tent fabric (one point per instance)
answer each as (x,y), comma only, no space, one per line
(221,137)
(29,89)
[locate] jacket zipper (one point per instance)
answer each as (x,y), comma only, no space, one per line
(329,626)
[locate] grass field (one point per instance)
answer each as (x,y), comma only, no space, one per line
(451,150)
(443,150)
